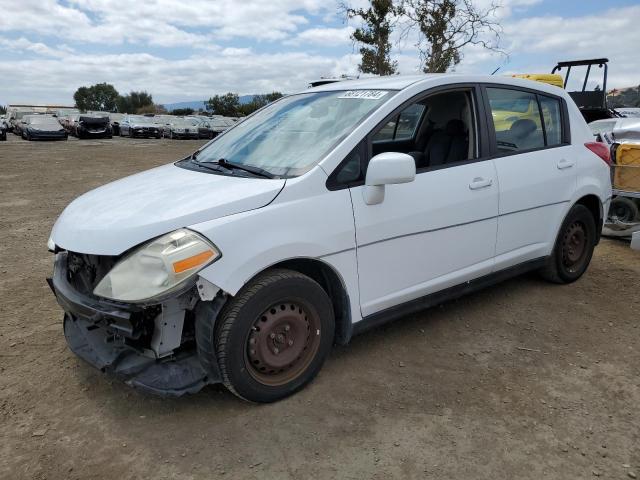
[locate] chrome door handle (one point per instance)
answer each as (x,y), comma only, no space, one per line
(479,183)
(564,163)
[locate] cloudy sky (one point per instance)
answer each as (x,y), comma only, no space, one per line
(190,50)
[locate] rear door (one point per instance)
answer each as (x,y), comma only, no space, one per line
(529,137)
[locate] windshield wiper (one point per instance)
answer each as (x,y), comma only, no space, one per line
(208,166)
(239,166)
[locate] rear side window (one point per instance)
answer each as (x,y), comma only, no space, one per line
(552,119)
(516,120)
(401,127)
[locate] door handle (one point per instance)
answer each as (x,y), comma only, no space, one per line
(480,182)
(564,163)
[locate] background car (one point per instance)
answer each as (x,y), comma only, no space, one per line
(93,127)
(17,119)
(219,124)
(68,122)
(3,129)
(182,128)
(43,127)
(140,126)
(204,128)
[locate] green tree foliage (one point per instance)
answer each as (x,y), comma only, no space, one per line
(259,101)
(101,96)
(624,97)
(227,104)
(135,102)
(445,27)
(374,36)
(181,112)
(3,110)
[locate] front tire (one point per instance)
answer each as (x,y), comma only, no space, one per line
(574,247)
(272,338)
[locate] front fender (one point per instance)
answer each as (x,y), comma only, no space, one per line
(300,223)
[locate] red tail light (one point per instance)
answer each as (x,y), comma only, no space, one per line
(600,149)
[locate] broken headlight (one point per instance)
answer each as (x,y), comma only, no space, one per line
(157,267)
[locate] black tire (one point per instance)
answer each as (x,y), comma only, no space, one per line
(623,209)
(296,316)
(573,248)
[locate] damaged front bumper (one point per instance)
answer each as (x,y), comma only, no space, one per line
(150,347)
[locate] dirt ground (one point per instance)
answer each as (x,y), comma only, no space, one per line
(525,380)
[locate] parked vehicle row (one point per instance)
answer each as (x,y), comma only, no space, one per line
(106,125)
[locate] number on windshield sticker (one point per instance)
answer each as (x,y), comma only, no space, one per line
(364,94)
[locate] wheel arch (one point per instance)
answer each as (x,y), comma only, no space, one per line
(594,205)
(332,283)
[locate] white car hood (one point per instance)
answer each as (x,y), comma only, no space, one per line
(115,217)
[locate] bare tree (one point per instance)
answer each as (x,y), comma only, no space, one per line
(374,35)
(445,27)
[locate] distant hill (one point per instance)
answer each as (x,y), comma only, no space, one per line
(197,105)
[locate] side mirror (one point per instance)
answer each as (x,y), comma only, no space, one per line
(387,169)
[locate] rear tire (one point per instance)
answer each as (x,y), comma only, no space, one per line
(574,247)
(272,338)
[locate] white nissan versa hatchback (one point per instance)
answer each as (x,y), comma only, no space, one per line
(321,215)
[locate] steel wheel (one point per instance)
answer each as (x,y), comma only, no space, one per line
(574,246)
(282,343)
(271,338)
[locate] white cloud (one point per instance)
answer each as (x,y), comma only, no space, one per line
(326,37)
(613,34)
(190,50)
(163,22)
(196,77)
(23,45)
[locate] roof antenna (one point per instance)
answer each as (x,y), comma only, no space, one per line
(494,72)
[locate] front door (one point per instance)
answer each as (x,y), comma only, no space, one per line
(439,230)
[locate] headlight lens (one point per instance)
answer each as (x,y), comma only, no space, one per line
(157,267)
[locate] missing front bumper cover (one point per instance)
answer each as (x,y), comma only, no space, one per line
(96,332)
(173,377)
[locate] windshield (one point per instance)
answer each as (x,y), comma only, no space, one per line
(288,137)
(43,121)
(141,119)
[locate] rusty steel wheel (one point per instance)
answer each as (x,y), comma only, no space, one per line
(282,342)
(272,338)
(574,246)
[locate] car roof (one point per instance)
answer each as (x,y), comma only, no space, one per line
(400,82)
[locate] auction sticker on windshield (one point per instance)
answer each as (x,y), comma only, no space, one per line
(364,94)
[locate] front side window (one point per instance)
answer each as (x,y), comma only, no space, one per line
(288,137)
(516,120)
(401,127)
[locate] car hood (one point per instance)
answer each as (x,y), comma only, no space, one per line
(115,217)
